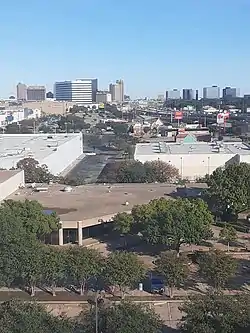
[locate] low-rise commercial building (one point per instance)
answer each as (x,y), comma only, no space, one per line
(57,151)
(87,210)
(10,181)
(10,116)
(194,159)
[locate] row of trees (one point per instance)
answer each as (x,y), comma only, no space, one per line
(130,171)
(211,313)
(16,316)
(26,261)
(214,267)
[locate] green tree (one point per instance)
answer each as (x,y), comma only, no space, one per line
(32,216)
(124,318)
(123,222)
(216,313)
(14,240)
(229,190)
(160,171)
(83,264)
(131,172)
(120,128)
(123,269)
(31,264)
(174,269)
(33,172)
(217,267)
(228,234)
(54,267)
(173,222)
(20,317)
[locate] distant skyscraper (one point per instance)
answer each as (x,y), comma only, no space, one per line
(197,95)
(211,92)
(229,92)
(188,94)
(79,91)
(21,92)
(94,89)
(173,94)
(117,91)
(161,98)
(36,93)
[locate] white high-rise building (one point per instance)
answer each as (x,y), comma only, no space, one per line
(81,91)
(117,91)
(211,92)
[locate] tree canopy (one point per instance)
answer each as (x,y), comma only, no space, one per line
(123,269)
(124,318)
(130,171)
(20,317)
(229,190)
(31,215)
(83,264)
(123,222)
(173,222)
(174,269)
(33,172)
(228,234)
(216,313)
(217,267)
(160,171)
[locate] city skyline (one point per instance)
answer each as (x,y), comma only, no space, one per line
(117,89)
(148,49)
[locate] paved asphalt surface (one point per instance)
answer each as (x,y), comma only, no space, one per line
(90,167)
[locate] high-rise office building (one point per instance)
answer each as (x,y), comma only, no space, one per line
(188,94)
(197,95)
(94,89)
(117,91)
(103,97)
(211,92)
(173,94)
(81,91)
(36,93)
(229,92)
(21,91)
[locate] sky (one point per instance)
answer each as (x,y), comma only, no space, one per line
(152,45)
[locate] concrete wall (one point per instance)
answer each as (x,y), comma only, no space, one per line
(11,185)
(190,166)
(65,155)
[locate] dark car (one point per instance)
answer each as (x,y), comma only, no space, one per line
(156,285)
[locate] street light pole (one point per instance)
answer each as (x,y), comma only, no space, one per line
(96,311)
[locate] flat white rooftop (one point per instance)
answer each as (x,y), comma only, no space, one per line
(14,147)
(191,148)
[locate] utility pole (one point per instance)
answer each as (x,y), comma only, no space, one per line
(96,311)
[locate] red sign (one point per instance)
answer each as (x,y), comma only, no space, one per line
(178,115)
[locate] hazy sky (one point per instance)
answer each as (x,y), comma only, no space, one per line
(152,45)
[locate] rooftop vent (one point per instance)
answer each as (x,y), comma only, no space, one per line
(67,189)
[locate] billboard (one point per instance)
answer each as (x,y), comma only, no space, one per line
(178,115)
(222,117)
